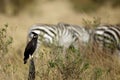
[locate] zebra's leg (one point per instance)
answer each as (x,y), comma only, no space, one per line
(64,53)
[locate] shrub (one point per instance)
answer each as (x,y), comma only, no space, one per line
(5,40)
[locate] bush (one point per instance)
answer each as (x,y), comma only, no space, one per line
(5,40)
(87,63)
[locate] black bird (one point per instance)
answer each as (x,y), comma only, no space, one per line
(30,48)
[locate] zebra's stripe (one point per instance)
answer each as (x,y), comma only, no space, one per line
(107,35)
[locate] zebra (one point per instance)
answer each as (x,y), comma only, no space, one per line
(107,37)
(62,34)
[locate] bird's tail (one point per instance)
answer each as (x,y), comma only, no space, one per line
(25,60)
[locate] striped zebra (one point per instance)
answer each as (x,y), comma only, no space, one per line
(61,34)
(107,37)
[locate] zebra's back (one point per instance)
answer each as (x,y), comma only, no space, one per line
(107,36)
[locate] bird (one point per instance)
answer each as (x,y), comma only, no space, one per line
(31,47)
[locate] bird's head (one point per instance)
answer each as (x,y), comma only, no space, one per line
(33,35)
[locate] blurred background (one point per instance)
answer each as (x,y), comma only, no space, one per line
(19,15)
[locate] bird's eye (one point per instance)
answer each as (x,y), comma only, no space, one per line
(35,36)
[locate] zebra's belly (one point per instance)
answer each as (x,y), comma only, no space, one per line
(65,41)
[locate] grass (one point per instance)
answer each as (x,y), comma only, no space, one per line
(50,63)
(87,63)
(92,5)
(5,40)
(83,64)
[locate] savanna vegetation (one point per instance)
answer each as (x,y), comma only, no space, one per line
(92,5)
(82,64)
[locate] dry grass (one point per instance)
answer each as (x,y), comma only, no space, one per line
(82,65)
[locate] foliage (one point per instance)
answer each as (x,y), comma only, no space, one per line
(92,5)
(5,40)
(92,24)
(82,64)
